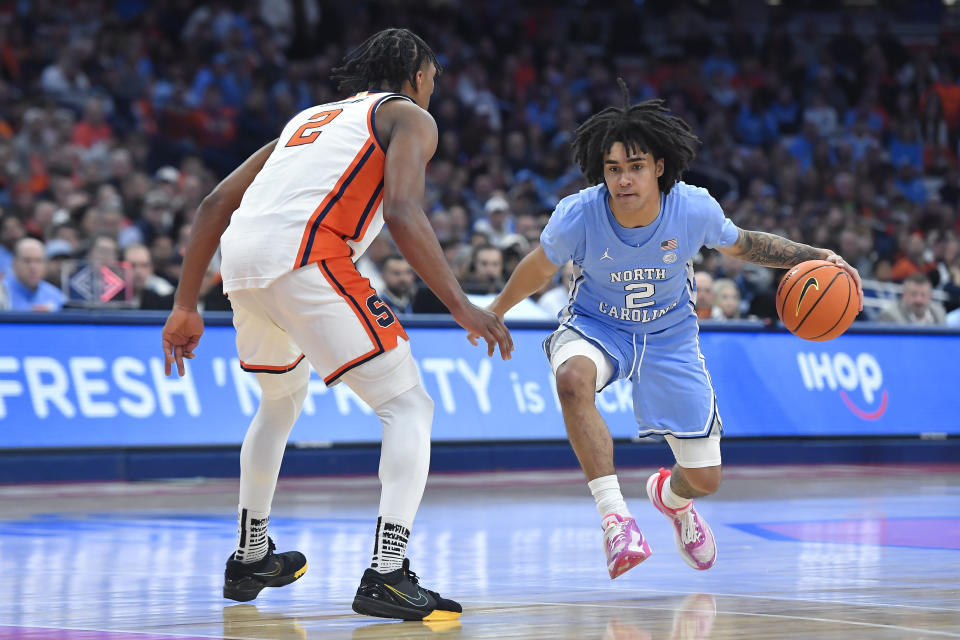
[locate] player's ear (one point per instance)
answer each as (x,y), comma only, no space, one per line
(659,167)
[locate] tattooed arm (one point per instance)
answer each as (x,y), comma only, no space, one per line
(770,250)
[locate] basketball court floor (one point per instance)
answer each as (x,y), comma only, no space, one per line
(815,552)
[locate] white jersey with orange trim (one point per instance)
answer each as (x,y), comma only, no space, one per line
(318,196)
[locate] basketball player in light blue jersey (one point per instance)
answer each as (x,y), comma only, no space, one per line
(631,314)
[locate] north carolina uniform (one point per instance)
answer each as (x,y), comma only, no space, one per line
(634,302)
(311,211)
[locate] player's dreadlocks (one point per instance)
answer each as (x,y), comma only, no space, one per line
(384,60)
(648,127)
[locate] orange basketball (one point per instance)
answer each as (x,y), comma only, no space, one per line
(817,300)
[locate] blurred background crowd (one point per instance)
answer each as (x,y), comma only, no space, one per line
(835,127)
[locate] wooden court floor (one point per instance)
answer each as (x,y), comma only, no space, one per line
(814,552)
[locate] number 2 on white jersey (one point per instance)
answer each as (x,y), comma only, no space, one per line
(309,132)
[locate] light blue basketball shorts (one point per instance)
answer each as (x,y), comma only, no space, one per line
(672,391)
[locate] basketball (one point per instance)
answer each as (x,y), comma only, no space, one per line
(817,300)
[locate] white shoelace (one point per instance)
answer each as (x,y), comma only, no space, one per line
(689,531)
(619,538)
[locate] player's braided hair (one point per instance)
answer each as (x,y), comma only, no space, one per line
(648,127)
(384,60)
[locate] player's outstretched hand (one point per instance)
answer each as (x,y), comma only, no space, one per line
(840,262)
(481,323)
(181,334)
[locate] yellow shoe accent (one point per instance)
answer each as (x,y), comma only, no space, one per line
(300,571)
(439,626)
(438,615)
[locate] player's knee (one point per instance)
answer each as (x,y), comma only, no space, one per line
(413,408)
(421,402)
(576,382)
(705,480)
(279,385)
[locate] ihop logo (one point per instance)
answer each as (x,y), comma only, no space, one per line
(859,379)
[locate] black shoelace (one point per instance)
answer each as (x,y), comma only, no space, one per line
(412,577)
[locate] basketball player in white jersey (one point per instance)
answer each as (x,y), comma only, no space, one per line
(300,211)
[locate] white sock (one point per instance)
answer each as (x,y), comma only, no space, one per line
(671,499)
(390,546)
(606,491)
(251,536)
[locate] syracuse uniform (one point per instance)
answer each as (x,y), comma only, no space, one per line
(289,251)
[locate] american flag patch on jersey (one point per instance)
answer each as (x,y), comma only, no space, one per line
(667,245)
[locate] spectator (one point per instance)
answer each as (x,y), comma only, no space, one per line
(916,305)
(26,288)
(906,147)
(499,223)
(11,232)
(910,184)
(786,111)
(727,300)
(505,110)
(150,291)
(704,288)
(486,270)
(93,128)
(755,125)
(948,272)
(399,282)
(102,251)
(58,251)
(528,227)
(65,80)
(821,115)
(913,261)
(214,123)
(156,219)
(854,245)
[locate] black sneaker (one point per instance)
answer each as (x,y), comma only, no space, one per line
(242,582)
(398,594)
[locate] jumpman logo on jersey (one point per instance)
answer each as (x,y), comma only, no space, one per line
(606,254)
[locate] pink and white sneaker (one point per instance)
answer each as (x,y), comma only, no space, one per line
(691,532)
(623,543)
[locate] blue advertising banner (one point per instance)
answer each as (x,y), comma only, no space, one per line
(83,385)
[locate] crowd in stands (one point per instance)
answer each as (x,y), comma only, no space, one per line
(841,131)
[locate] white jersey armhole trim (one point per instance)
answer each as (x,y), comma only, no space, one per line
(372,119)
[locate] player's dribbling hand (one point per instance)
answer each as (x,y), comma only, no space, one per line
(181,334)
(481,323)
(840,262)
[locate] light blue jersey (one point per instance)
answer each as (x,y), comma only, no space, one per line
(637,280)
(634,299)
